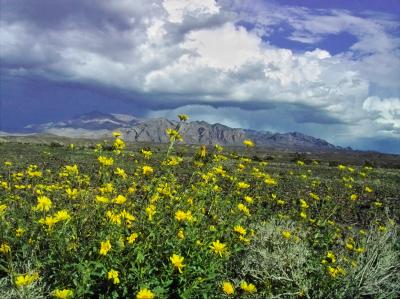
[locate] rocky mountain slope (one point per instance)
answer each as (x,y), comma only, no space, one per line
(100,125)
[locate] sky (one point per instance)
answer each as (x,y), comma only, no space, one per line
(330,69)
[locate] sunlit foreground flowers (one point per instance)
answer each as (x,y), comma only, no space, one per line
(111,222)
(177,262)
(63,294)
(145,294)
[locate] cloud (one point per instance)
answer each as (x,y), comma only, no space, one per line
(385,112)
(179,10)
(170,54)
(375,52)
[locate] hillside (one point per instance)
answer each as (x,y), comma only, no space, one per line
(97,125)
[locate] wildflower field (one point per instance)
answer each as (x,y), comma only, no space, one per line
(113,222)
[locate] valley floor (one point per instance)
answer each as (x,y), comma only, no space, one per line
(110,220)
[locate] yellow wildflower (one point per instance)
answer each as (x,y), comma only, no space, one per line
(121,173)
(71,169)
(19,231)
(270,181)
(314,196)
(248,287)
(202,151)
(145,294)
(132,238)
(146,153)
(129,218)
(382,228)
(132,189)
(72,193)
(177,262)
(119,144)
(2,209)
(49,221)
(151,211)
(248,143)
(173,134)
(172,161)
(286,234)
(240,230)
(25,280)
(335,271)
(218,148)
(244,209)
(281,202)
(180,215)
(147,170)
(303,215)
(5,248)
(63,294)
(359,250)
(181,234)
(183,117)
(218,247)
(248,199)
(114,218)
(303,204)
(62,215)
(102,199)
(120,199)
(105,247)
(228,288)
(243,185)
(349,246)
(330,256)
(43,203)
(244,240)
(105,161)
(34,173)
(4,185)
(113,275)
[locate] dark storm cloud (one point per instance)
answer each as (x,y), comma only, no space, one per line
(313,115)
(56,15)
(23,101)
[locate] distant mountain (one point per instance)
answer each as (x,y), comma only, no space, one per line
(100,125)
(90,121)
(90,125)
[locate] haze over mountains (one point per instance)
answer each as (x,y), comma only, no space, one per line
(100,125)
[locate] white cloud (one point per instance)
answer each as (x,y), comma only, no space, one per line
(180,52)
(375,53)
(225,47)
(178,9)
(386,112)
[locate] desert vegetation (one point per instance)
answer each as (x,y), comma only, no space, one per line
(110,222)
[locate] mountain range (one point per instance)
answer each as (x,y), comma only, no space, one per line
(96,125)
